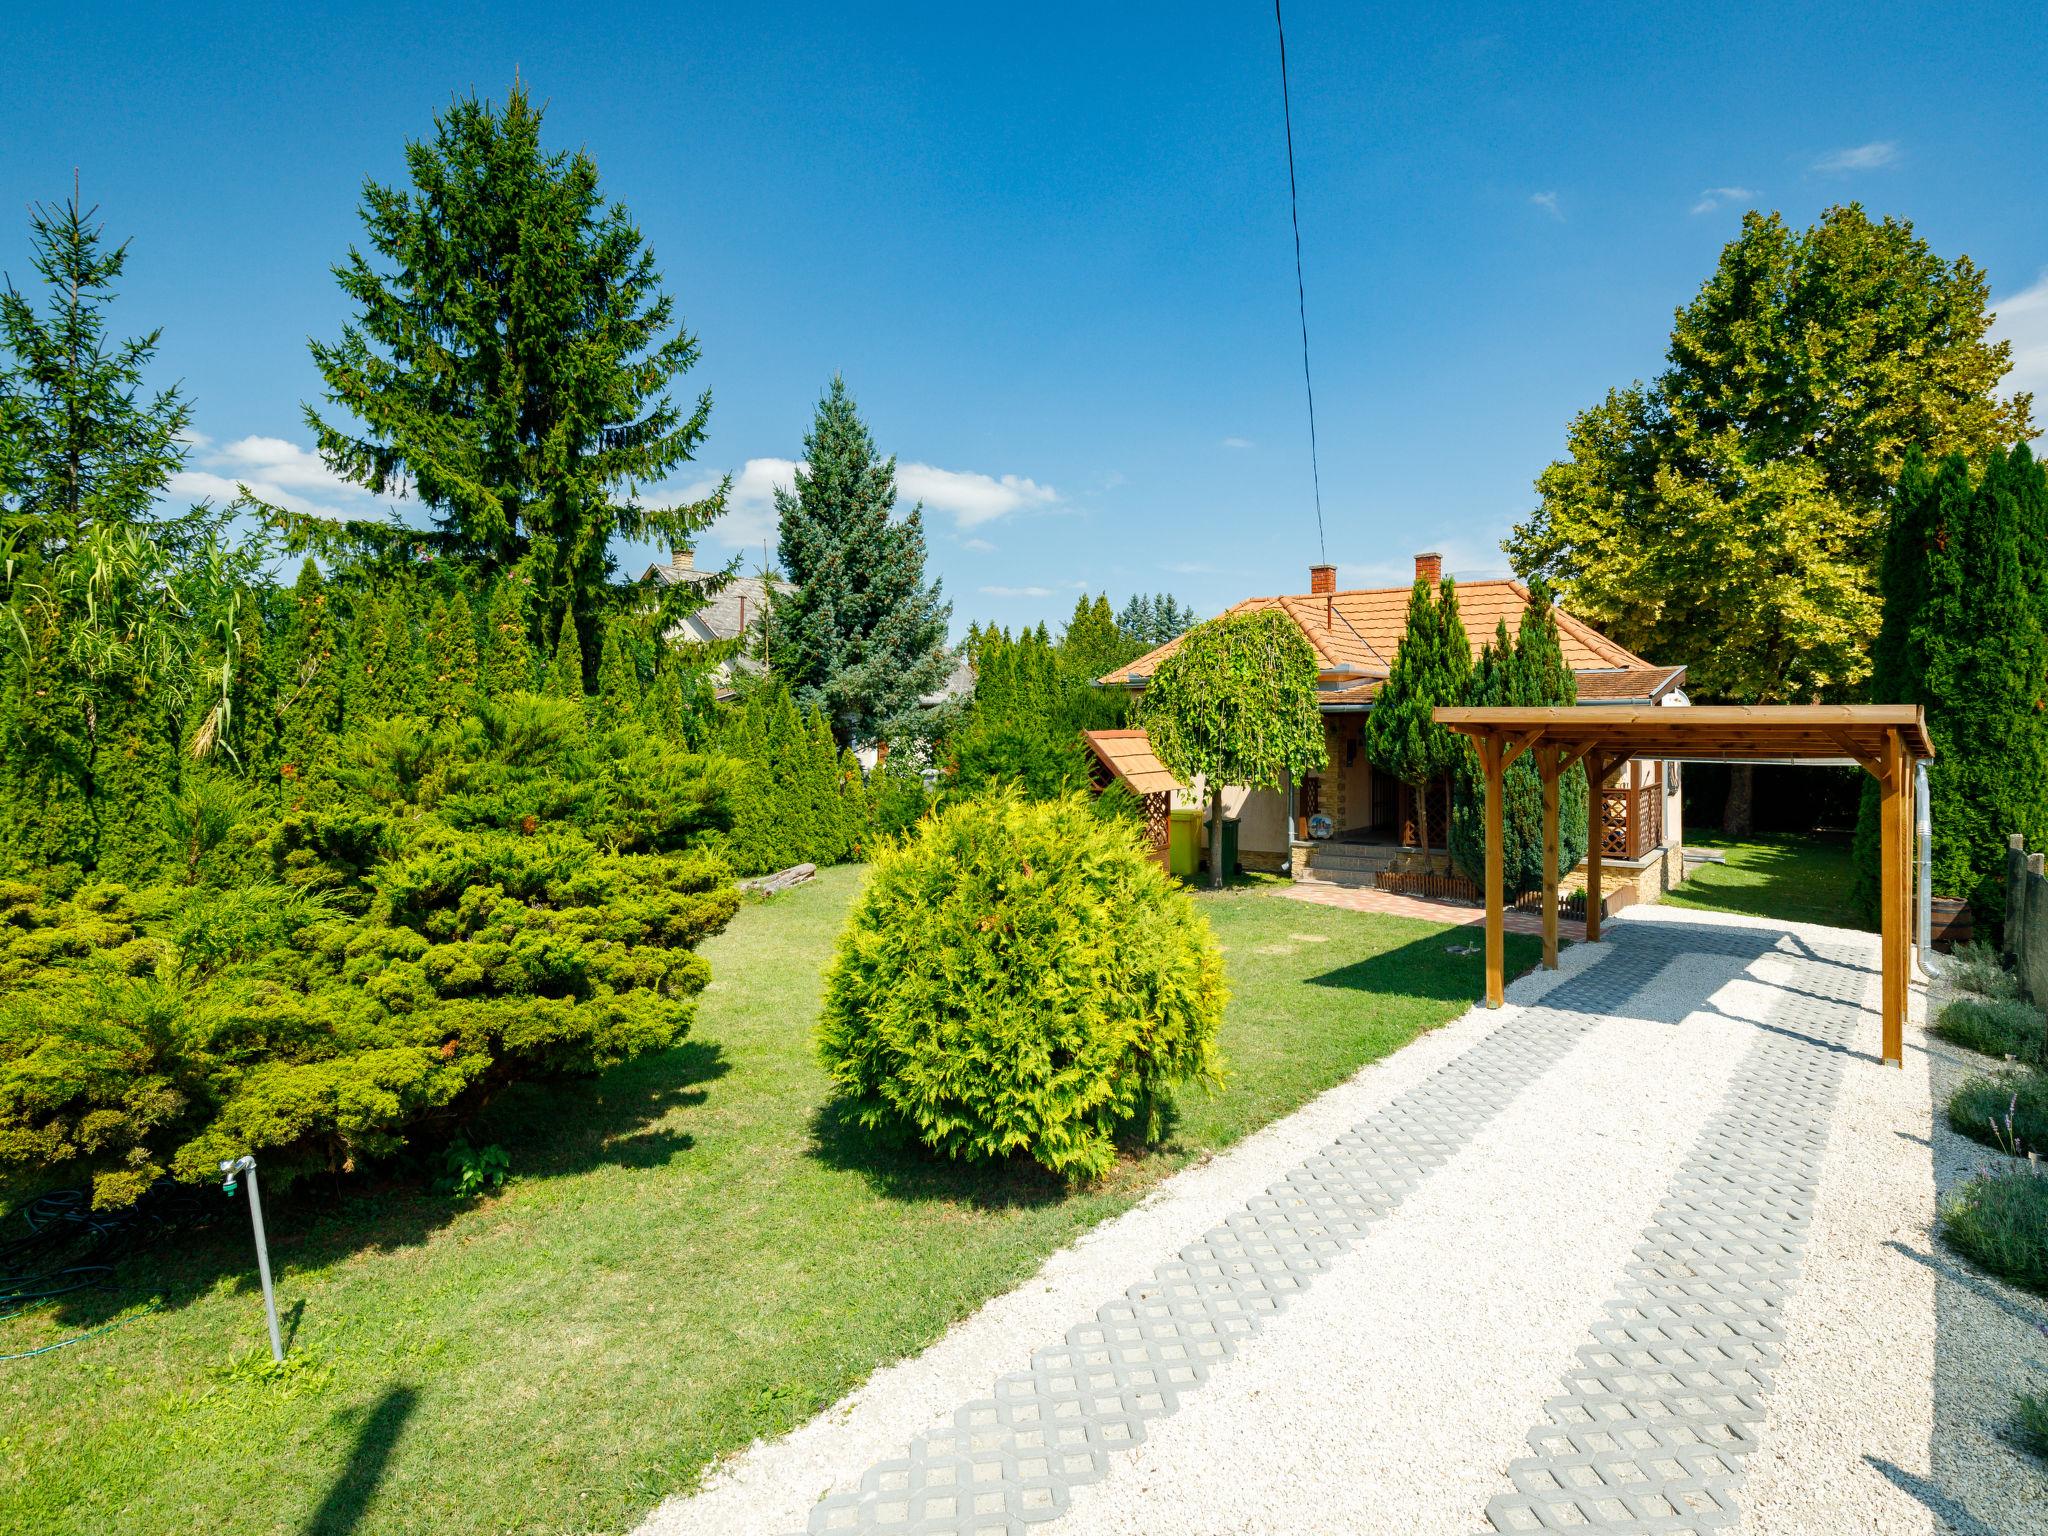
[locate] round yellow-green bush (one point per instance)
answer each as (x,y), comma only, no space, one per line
(1020,979)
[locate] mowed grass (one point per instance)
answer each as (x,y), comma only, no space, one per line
(693,1253)
(1802,877)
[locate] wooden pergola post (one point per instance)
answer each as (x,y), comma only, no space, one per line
(1891,911)
(1496,935)
(1546,766)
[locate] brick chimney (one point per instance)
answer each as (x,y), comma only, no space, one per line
(1429,567)
(1322,579)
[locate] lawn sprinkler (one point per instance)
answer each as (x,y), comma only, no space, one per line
(247,1164)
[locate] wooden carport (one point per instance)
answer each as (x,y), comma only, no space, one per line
(1886,739)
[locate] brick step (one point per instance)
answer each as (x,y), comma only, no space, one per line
(1324,856)
(1351,879)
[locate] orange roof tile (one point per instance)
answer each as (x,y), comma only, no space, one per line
(1128,755)
(1357,631)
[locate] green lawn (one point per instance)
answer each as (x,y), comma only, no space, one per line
(1803,877)
(693,1253)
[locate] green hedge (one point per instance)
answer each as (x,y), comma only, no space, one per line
(1020,979)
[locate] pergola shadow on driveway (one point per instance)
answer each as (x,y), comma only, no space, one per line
(1886,740)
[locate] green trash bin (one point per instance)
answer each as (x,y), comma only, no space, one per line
(1183,842)
(1229,846)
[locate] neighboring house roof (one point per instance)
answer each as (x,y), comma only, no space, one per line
(959,684)
(1627,685)
(1128,755)
(734,608)
(1354,635)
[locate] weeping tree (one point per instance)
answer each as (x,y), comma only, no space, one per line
(1432,666)
(1236,704)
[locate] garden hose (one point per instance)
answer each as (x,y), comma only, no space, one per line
(70,1248)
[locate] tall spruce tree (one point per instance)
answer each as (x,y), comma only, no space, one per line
(510,359)
(861,635)
(1964,637)
(104,597)
(1432,666)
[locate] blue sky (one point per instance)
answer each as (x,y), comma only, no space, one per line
(1048,245)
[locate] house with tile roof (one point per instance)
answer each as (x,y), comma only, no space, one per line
(734,610)
(1351,822)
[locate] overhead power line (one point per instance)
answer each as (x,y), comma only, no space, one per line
(1300,289)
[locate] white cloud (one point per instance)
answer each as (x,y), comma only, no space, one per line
(1714,197)
(2023,321)
(971,497)
(1016,591)
(749,518)
(1547,201)
(1237,442)
(979,546)
(277,471)
(1874,156)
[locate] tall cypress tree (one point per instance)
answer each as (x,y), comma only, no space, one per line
(1963,636)
(1092,643)
(313,685)
(451,658)
(507,663)
(1431,667)
(618,686)
(510,359)
(862,635)
(565,670)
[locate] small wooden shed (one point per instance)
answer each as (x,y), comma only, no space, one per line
(1126,757)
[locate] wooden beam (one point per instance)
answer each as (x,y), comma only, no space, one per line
(1876,767)
(1891,862)
(1517,745)
(1571,758)
(1496,938)
(1596,834)
(1546,766)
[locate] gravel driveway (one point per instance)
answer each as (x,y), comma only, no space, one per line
(1647,1250)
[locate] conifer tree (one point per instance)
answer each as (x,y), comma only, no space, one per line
(565,669)
(102,594)
(861,635)
(507,663)
(311,702)
(618,686)
(1963,636)
(1092,643)
(1432,667)
(509,360)
(450,653)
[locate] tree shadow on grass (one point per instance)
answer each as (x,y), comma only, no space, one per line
(902,1168)
(549,1129)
